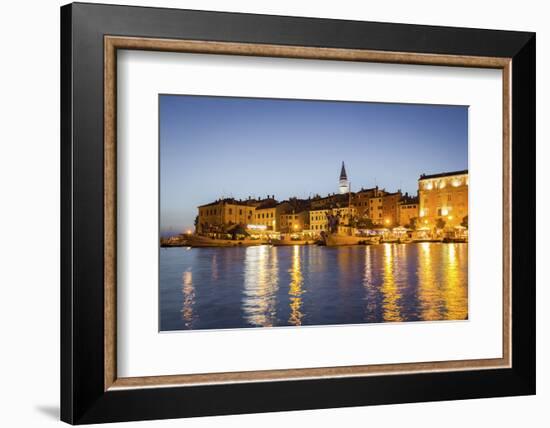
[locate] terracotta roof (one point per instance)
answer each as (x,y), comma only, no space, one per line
(370,189)
(409,200)
(232,201)
(267,203)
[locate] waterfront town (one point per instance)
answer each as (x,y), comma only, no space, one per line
(437,213)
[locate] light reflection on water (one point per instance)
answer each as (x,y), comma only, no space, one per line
(260,286)
(295,290)
(188,292)
(263,286)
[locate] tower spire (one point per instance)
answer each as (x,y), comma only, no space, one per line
(343,183)
(343,175)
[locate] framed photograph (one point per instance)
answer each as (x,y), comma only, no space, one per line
(266,213)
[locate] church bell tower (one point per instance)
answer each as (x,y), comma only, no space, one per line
(344,183)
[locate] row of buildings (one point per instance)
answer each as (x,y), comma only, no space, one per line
(441,202)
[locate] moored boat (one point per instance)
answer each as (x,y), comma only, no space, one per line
(287,242)
(203,241)
(334,240)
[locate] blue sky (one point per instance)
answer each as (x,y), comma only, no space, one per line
(238,147)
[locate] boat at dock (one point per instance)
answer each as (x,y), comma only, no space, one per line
(204,241)
(335,240)
(287,242)
(455,240)
(405,240)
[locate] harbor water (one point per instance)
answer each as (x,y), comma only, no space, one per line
(270,286)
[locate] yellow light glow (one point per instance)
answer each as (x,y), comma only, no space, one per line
(450,217)
(425,221)
(444,211)
(256,226)
(261,282)
(387,221)
(295,289)
(390,289)
(428,292)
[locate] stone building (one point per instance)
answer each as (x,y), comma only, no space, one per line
(266,214)
(390,209)
(294,221)
(318,220)
(361,201)
(443,198)
(215,216)
(408,210)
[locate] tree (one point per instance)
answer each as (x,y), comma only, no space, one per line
(464,222)
(413,222)
(365,223)
(196,222)
(440,223)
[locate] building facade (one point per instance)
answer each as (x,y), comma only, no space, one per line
(443,199)
(361,201)
(442,202)
(408,212)
(294,221)
(383,208)
(265,215)
(390,209)
(318,220)
(214,217)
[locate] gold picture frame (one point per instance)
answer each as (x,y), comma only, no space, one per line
(114,43)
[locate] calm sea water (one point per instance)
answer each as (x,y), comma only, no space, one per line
(264,286)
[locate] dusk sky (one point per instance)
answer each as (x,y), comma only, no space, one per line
(213,147)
